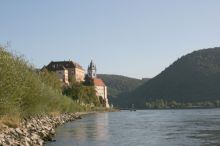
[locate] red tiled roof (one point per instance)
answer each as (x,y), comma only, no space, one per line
(98,82)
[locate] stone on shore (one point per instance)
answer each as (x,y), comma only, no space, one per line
(35,130)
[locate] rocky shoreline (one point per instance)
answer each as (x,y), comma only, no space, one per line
(34,131)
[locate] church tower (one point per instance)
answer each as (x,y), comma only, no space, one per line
(92,70)
(100,87)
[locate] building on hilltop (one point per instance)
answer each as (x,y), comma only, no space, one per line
(100,87)
(67,70)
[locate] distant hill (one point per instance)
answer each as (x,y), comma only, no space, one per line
(118,85)
(194,78)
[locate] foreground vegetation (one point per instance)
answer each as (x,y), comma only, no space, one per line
(26,92)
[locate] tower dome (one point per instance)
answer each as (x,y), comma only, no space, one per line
(92,70)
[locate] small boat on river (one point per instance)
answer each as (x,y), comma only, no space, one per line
(132,108)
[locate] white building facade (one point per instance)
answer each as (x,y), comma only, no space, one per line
(100,87)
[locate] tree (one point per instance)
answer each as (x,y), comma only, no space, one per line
(82,94)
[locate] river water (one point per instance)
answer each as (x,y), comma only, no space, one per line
(198,127)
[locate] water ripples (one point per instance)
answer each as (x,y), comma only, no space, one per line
(148,127)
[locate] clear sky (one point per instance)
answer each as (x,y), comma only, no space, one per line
(136,38)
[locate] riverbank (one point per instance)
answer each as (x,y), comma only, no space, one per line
(35,130)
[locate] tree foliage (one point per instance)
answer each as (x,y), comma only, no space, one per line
(23,91)
(81,93)
(193,78)
(119,85)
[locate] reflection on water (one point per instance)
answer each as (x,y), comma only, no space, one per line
(91,128)
(150,127)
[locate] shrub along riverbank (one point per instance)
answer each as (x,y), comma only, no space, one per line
(33,103)
(26,92)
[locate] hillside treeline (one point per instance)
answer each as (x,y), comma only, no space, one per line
(191,81)
(119,86)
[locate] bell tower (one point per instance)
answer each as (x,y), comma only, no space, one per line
(92,70)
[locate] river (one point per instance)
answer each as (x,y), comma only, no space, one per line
(197,127)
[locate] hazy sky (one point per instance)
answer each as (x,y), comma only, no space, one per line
(137,38)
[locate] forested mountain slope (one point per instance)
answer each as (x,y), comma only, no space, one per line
(191,79)
(118,85)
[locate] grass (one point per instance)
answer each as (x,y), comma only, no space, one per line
(11,121)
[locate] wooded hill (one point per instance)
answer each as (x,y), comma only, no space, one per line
(119,85)
(194,79)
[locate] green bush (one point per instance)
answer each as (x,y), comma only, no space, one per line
(82,94)
(24,91)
